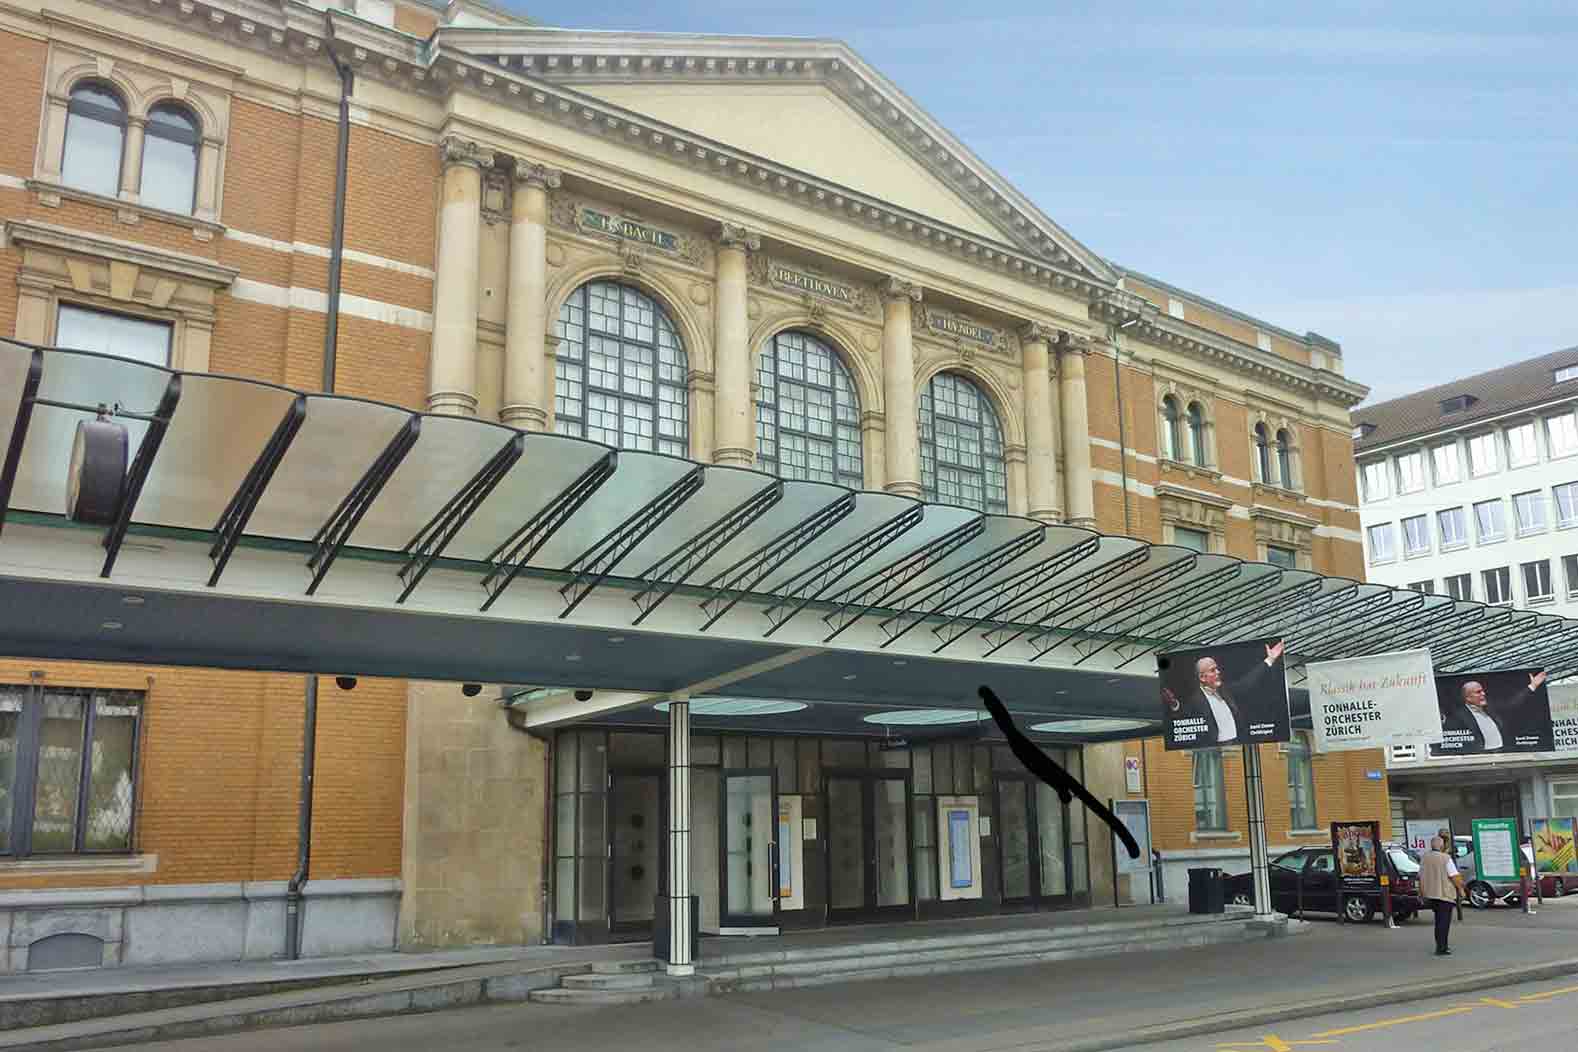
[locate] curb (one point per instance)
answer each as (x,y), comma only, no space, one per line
(1215,1024)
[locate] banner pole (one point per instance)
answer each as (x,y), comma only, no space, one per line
(1258,851)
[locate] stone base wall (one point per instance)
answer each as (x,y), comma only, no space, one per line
(190,923)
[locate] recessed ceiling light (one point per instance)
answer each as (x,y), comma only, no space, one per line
(738,707)
(616,639)
(112,626)
(133,600)
(572,657)
(925,717)
(1060,692)
(900,664)
(849,677)
(1091,725)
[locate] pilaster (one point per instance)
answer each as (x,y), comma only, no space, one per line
(901,440)
(1079,495)
(527,386)
(733,423)
(452,386)
(1043,486)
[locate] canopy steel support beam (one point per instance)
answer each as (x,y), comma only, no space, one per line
(233,520)
(1172,632)
(1479,648)
(588,569)
(515,553)
(1185,592)
(333,534)
(1464,624)
(675,568)
(24,417)
(915,606)
(137,474)
(747,575)
(1545,642)
(1044,598)
(812,583)
(1494,628)
(429,543)
(986,603)
(873,591)
(1117,598)
(1394,631)
(1289,598)
(1335,630)
(1318,613)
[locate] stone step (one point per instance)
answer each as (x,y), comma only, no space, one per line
(561,996)
(614,981)
(645,965)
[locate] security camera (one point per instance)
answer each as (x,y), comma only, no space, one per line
(345,682)
(471,690)
(584,694)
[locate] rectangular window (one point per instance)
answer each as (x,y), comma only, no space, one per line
(1195,540)
(1459,586)
(1381,549)
(1566,372)
(1375,480)
(1410,472)
(1175,307)
(1263,341)
(1566,504)
(1301,781)
(1448,468)
(1416,535)
(1570,571)
(1564,799)
(1210,796)
(1426,587)
(68,761)
(118,334)
(1537,580)
(1482,455)
(1498,585)
(1562,431)
(1530,511)
(1284,557)
(1490,518)
(1452,525)
(1522,449)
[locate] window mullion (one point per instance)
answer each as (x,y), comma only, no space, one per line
(84,773)
(26,771)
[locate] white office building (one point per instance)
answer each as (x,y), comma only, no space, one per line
(1470,489)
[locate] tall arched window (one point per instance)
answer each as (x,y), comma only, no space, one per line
(961,446)
(1284,459)
(620,371)
(1196,434)
(807,416)
(169,159)
(1172,436)
(1263,453)
(95,139)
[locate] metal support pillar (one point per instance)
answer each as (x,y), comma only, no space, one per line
(679,904)
(1258,854)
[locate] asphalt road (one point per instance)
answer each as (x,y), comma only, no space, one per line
(1044,1006)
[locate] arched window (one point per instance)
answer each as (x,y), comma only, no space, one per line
(961,446)
(1172,437)
(169,159)
(95,139)
(1263,453)
(1196,434)
(807,416)
(620,371)
(1284,459)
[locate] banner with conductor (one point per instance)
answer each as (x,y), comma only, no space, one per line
(1234,694)
(1372,702)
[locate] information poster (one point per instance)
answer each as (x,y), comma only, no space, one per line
(791,855)
(1357,846)
(1553,844)
(1494,712)
(1418,832)
(1372,702)
(961,866)
(959,825)
(1564,716)
(1496,849)
(1136,815)
(1234,694)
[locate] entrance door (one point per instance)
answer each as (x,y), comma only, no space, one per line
(1032,842)
(749,866)
(637,853)
(868,855)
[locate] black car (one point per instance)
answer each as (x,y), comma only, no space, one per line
(1306,880)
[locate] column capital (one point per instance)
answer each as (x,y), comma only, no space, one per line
(529,173)
(452,150)
(899,289)
(733,235)
(1073,343)
(1038,332)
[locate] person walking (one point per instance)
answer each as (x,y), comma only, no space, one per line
(1441,885)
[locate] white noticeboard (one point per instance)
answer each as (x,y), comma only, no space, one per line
(1136,815)
(1418,832)
(958,847)
(1372,702)
(791,855)
(1564,716)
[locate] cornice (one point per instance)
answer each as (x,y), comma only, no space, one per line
(80,242)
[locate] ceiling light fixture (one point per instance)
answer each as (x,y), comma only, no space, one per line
(738,707)
(925,717)
(1089,725)
(112,626)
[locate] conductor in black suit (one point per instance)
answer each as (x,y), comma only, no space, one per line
(1217,702)
(1492,728)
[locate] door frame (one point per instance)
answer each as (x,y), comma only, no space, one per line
(616,926)
(869,910)
(737,924)
(1037,899)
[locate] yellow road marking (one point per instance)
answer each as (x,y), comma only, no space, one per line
(1382,1024)
(1272,1042)
(1498,1002)
(1549,993)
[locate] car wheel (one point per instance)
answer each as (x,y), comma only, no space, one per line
(1358,909)
(1558,888)
(1480,896)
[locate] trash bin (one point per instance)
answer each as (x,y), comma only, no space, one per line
(1205,891)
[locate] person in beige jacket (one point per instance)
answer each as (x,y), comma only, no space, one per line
(1441,885)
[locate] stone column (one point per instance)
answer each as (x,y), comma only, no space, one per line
(679,904)
(1042,483)
(131,166)
(1079,500)
(733,420)
(452,387)
(526,382)
(703,395)
(901,437)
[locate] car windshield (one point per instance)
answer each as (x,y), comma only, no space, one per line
(1404,861)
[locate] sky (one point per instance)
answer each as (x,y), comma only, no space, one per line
(1399,176)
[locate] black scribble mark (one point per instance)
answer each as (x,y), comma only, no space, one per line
(1051,772)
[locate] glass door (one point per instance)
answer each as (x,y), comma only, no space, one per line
(1032,842)
(636,848)
(749,895)
(1052,839)
(868,860)
(846,849)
